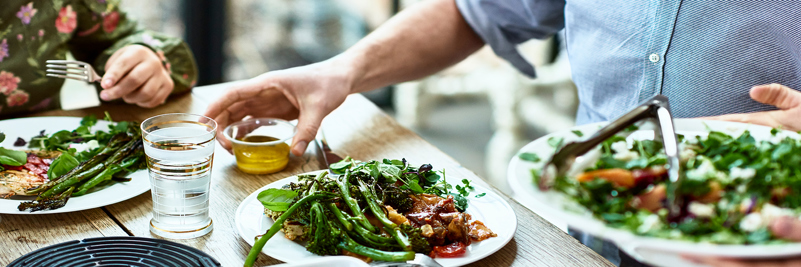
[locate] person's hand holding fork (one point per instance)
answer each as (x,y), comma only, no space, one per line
(136,74)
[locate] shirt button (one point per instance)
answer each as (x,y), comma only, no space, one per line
(653,57)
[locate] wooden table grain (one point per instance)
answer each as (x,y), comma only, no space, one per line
(357,128)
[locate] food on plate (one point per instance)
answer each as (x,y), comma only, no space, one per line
(378,210)
(733,186)
(15,180)
(69,163)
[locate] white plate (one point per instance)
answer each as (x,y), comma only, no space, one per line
(490,209)
(116,192)
(656,251)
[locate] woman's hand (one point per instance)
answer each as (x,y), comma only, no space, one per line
(786,227)
(307,93)
(136,74)
(786,99)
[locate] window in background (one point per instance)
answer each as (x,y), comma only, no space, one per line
(277,34)
(160,16)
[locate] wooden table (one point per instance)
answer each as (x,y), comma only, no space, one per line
(357,128)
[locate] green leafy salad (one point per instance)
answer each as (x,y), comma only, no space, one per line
(376,210)
(733,187)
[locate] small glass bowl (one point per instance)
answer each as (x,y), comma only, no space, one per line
(261,145)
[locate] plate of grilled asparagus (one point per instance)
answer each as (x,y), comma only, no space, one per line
(65,164)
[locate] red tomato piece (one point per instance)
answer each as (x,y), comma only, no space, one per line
(450,251)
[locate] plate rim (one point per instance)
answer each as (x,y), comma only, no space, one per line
(628,240)
(464,261)
(125,194)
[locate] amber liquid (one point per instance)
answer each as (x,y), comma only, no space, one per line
(261,159)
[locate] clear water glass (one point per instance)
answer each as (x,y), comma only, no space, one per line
(179,149)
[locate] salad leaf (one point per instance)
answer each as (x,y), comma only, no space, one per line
(277,199)
(61,165)
(459,201)
(340,167)
(2,137)
(12,157)
(529,157)
(555,142)
(89,121)
(578,133)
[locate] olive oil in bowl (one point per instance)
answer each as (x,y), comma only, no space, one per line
(260,154)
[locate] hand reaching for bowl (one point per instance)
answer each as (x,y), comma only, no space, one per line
(305,93)
(786,227)
(786,99)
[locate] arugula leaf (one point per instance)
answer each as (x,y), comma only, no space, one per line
(340,167)
(277,199)
(431,177)
(89,121)
(529,157)
(12,157)
(63,164)
(459,201)
(391,173)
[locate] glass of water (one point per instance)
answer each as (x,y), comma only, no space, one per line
(179,149)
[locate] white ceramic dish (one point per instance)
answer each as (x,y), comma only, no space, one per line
(656,251)
(116,192)
(490,209)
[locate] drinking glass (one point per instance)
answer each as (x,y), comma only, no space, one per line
(261,145)
(179,149)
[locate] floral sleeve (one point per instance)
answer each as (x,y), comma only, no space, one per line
(99,28)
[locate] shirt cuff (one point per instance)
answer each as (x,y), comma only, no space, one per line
(492,36)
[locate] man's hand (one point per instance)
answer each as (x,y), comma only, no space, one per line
(135,74)
(787,100)
(305,93)
(786,227)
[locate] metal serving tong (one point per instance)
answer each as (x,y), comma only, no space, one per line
(657,109)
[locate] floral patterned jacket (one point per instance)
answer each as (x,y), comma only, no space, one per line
(33,31)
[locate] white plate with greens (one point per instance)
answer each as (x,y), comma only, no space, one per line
(490,209)
(100,196)
(657,243)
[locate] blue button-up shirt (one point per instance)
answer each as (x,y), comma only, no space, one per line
(704,55)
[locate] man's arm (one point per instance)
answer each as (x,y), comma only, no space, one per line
(417,42)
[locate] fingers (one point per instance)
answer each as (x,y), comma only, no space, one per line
(766,118)
(232,100)
(118,66)
(778,95)
(308,124)
(134,79)
(146,95)
(787,228)
(239,92)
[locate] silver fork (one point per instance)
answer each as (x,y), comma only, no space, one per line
(71,69)
(420,260)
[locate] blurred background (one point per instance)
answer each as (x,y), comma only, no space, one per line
(480,111)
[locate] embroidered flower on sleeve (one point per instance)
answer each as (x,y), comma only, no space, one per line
(17,98)
(3,50)
(26,13)
(8,82)
(110,21)
(67,20)
(41,32)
